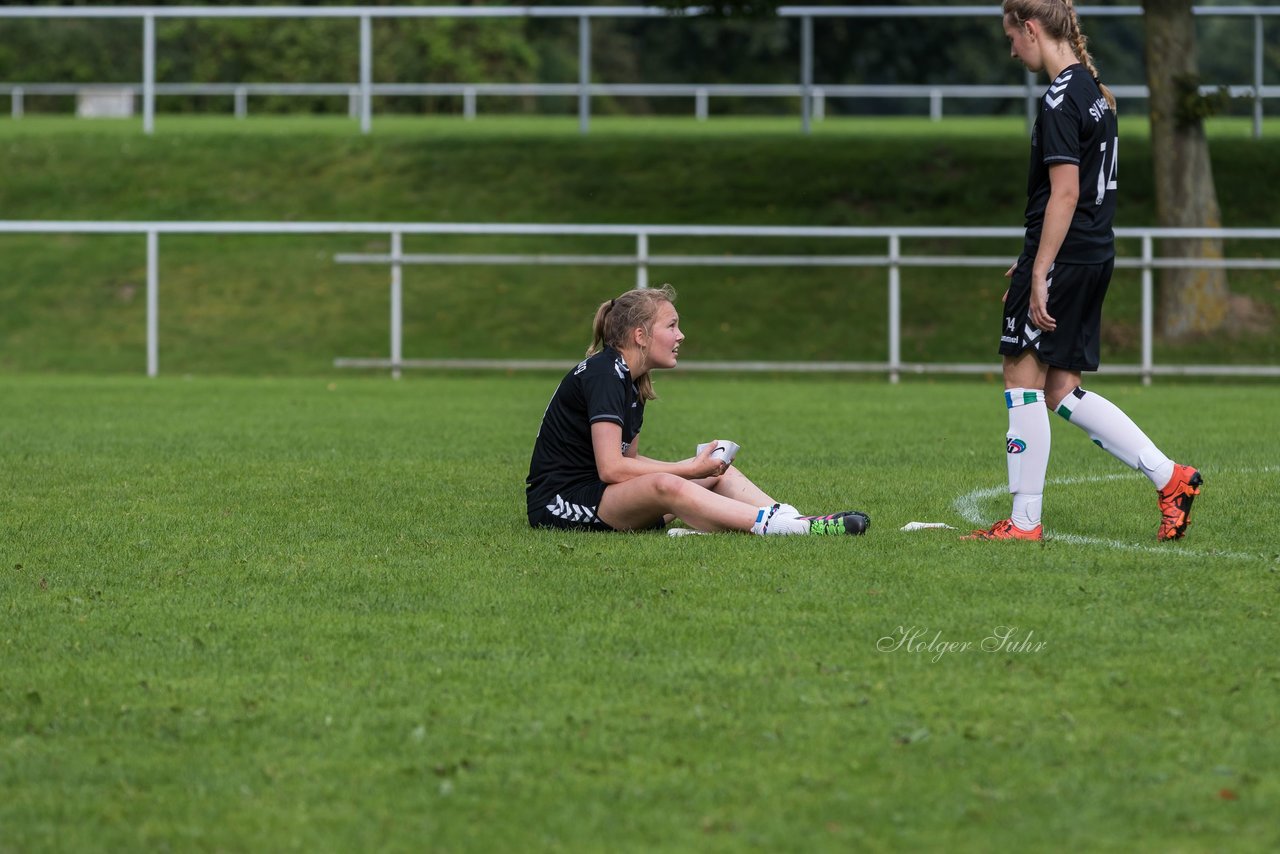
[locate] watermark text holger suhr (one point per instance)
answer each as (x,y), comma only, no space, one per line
(915,639)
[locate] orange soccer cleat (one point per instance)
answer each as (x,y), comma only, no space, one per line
(1175,502)
(1006,530)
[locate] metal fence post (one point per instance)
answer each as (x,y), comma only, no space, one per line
(806,71)
(935,105)
(642,260)
(895,307)
(469,103)
(700,103)
(366,73)
(17,106)
(1257,77)
(153,303)
(242,102)
(148,74)
(1148,307)
(397,304)
(584,74)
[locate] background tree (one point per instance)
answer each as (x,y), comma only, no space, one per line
(1192,301)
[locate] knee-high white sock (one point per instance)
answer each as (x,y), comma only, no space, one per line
(1115,433)
(1028,453)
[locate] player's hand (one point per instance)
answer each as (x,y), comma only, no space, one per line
(1040,305)
(704,465)
(1008,274)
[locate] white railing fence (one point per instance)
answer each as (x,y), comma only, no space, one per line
(894,260)
(700,95)
(812,94)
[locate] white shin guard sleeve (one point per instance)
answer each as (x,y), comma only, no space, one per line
(1027,452)
(1115,432)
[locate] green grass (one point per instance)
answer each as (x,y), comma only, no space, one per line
(303,611)
(281,306)
(307,614)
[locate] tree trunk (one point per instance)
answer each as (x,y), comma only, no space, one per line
(1192,301)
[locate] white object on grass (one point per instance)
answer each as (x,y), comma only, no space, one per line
(683,532)
(920,526)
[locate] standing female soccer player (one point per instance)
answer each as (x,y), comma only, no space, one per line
(586,473)
(1053,308)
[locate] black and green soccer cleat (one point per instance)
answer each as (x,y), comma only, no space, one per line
(847,522)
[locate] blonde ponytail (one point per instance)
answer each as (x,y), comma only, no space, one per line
(1080,47)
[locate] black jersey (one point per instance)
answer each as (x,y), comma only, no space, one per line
(600,388)
(1075,125)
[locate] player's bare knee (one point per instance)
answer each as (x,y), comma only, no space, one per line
(1055,393)
(668,486)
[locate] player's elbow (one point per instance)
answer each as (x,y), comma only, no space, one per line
(611,471)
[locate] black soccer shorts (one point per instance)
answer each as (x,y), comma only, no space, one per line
(573,508)
(1076,292)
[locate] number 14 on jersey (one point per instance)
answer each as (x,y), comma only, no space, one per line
(1107,174)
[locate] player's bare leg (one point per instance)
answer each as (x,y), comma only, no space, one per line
(736,485)
(641,502)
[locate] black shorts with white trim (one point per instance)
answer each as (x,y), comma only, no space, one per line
(1076,293)
(571,508)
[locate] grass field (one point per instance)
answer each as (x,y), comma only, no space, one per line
(254,605)
(277,614)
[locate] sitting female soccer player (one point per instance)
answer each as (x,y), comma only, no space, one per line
(586,473)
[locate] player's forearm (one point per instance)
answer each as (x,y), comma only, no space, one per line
(1057,222)
(621,468)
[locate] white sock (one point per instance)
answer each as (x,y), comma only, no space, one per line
(1115,433)
(779,519)
(1027,454)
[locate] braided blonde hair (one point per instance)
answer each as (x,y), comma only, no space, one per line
(1060,22)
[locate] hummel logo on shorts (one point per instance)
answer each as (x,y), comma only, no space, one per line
(562,509)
